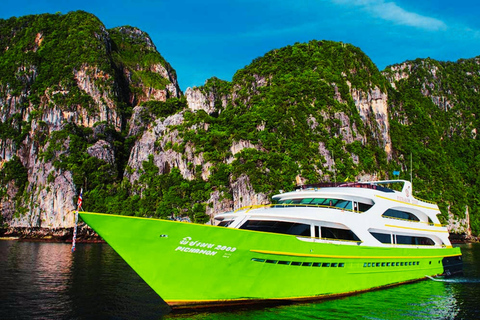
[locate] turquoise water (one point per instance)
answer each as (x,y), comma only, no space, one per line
(46,281)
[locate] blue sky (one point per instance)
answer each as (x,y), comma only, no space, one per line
(206,38)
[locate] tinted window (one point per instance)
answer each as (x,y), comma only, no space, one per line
(298,229)
(337,203)
(306,200)
(341,234)
(225,223)
(382,237)
(362,207)
(415,240)
(400,214)
(318,201)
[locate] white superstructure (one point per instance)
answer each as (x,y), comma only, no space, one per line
(363,214)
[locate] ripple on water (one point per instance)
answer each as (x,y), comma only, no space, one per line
(47,281)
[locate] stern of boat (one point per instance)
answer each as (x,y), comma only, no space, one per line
(452,266)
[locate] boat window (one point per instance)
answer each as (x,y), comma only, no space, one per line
(329,202)
(306,200)
(225,223)
(362,207)
(393,213)
(340,234)
(317,201)
(299,229)
(382,237)
(424,241)
(343,204)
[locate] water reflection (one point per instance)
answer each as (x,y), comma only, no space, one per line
(422,300)
(104,286)
(45,280)
(36,277)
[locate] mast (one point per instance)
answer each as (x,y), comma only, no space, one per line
(411,170)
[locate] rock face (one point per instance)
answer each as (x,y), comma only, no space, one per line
(438,97)
(198,101)
(460,226)
(153,143)
(93,86)
(374,105)
(93,120)
(102,150)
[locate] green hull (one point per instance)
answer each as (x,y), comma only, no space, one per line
(189,263)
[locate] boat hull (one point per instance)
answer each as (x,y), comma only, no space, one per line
(191,264)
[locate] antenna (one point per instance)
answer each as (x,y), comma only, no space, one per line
(411,169)
(334,169)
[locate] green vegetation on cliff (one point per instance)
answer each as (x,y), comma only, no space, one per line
(299,113)
(284,104)
(434,120)
(57,72)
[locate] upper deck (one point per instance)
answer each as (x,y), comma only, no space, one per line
(367,185)
(380,213)
(394,190)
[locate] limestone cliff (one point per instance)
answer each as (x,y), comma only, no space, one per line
(53,88)
(85,107)
(436,121)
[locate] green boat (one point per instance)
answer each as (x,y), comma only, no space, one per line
(316,242)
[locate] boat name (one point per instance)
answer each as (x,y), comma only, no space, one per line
(188,241)
(189,245)
(408,200)
(196,250)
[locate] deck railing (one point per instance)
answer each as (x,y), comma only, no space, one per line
(424,222)
(346,185)
(427,201)
(280,205)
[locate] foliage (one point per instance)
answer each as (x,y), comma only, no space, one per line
(434,120)
(162,109)
(13,170)
(164,196)
(40,58)
(284,104)
(289,114)
(133,52)
(67,149)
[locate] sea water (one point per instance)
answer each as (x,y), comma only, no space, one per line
(40,280)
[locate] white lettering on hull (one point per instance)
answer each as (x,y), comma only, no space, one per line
(198,247)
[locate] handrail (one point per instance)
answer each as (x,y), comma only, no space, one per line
(248,208)
(427,201)
(424,222)
(418,245)
(330,239)
(346,185)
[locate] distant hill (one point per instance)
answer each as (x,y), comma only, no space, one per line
(87,107)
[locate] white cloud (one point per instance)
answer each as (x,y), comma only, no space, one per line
(390,11)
